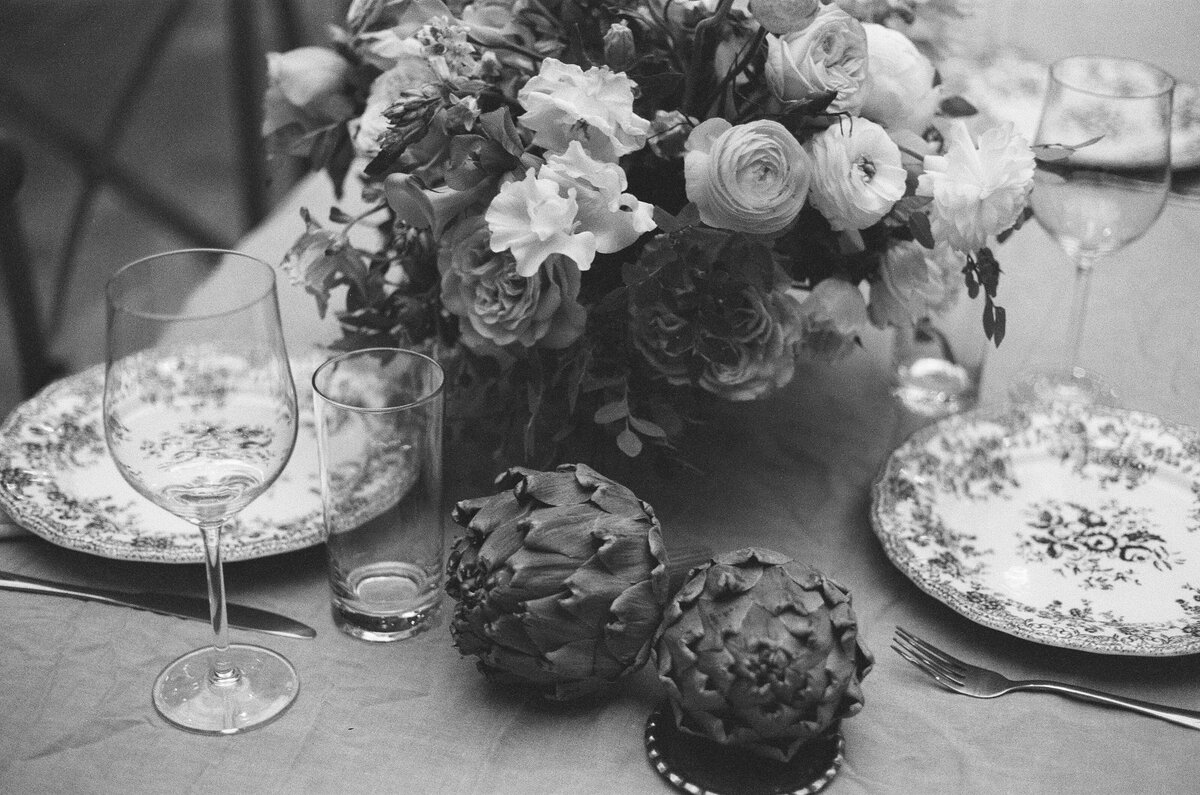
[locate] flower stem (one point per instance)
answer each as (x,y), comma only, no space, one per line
(703,49)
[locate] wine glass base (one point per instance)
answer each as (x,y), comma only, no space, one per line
(191,698)
(1075,386)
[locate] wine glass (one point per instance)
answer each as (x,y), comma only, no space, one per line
(200,417)
(1101,185)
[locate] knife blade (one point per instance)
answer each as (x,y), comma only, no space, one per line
(167,604)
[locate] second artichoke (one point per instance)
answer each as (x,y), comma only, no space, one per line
(760,652)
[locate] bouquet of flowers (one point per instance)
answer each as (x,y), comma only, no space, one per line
(601,213)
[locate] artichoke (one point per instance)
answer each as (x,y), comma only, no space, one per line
(560,580)
(761,652)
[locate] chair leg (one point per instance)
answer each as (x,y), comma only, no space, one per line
(247,77)
(37,366)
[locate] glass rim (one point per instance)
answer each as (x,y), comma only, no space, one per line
(434,393)
(254,298)
(1168,79)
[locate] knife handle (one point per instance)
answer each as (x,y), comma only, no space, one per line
(19,582)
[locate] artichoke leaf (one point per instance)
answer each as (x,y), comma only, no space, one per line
(564,530)
(537,574)
(634,615)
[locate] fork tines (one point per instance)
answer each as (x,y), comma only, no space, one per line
(945,669)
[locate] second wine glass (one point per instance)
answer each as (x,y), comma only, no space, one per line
(200,417)
(1107,124)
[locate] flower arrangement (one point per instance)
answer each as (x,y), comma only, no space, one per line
(601,213)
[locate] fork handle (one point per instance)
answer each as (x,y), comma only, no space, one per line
(1184,717)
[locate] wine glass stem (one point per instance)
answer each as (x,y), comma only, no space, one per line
(222,671)
(1079,302)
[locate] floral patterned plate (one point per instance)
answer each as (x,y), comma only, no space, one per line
(1079,530)
(58,481)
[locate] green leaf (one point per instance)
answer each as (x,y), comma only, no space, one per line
(647,428)
(989,318)
(998,330)
(611,412)
(956,106)
(629,443)
(918,224)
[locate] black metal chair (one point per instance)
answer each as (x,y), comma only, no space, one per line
(95,160)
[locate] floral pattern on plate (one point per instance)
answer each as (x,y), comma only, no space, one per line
(58,481)
(1079,530)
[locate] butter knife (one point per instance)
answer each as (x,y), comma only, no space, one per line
(166,604)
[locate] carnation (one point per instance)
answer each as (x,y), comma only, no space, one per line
(857,174)
(563,103)
(750,177)
(828,56)
(978,191)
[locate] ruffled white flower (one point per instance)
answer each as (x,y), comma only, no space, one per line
(977,191)
(899,93)
(857,174)
(615,217)
(915,282)
(563,103)
(533,220)
(751,177)
(828,55)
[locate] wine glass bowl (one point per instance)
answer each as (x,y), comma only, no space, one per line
(200,417)
(1103,179)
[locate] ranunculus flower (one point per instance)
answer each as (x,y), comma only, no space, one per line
(533,220)
(309,86)
(914,283)
(616,218)
(782,17)
(409,72)
(828,55)
(563,103)
(977,191)
(899,93)
(751,177)
(857,174)
(834,315)
(500,305)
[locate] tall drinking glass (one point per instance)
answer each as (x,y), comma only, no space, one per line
(1102,195)
(200,417)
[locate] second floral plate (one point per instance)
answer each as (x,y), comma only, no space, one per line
(1069,527)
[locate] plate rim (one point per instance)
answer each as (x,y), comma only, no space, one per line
(993,619)
(25,513)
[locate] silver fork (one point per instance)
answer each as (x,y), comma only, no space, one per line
(971,680)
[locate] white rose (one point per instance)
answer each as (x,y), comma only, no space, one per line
(563,103)
(834,316)
(828,55)
(751,177)
(857,174)
(915,283)
(409,72)
(899,93)
(978,191)
(308,86)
